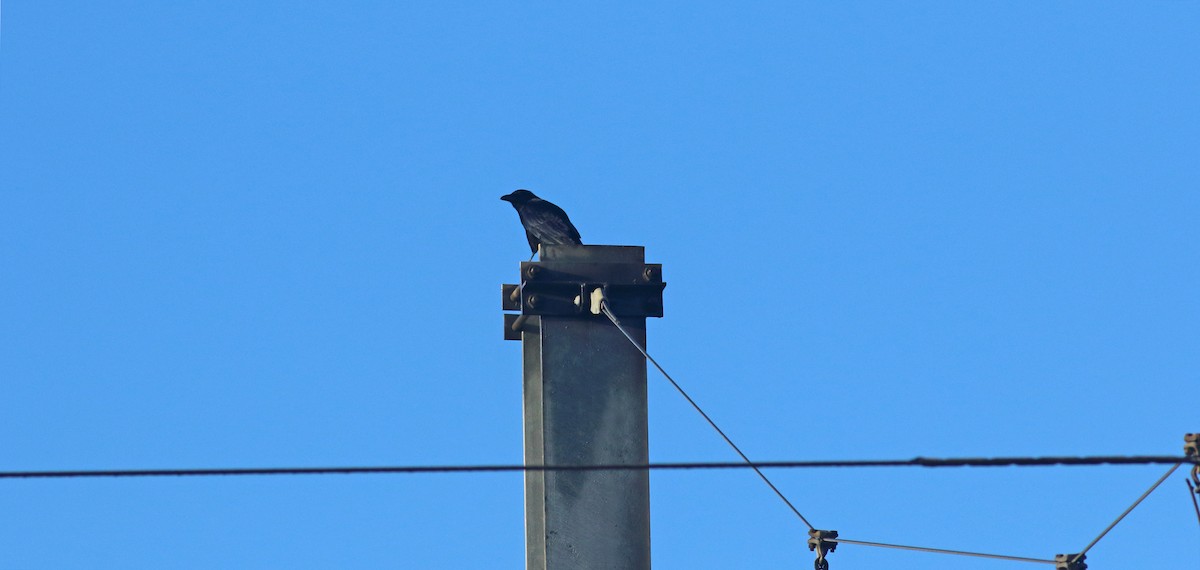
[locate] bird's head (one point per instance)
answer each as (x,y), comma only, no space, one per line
(518,197)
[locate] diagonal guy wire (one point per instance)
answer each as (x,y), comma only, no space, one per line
(1127,511)
(918,461)
(1192,494)
(615,322)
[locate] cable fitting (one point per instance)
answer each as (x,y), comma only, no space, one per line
(818,542)
(1191,448)
(1070,562)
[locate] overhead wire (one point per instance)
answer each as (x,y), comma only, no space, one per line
(1080,461)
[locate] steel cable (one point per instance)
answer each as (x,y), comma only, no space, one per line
(401,469)
(615,322)
(1127,511)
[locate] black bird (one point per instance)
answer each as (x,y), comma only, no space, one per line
(544,222)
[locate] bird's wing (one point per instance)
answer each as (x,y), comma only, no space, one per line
(549,223)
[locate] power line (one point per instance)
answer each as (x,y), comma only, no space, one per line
(665,466)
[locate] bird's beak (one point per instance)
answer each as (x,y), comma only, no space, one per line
(506,197)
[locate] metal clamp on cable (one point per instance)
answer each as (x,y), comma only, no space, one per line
(1191,448)
(817,542)
(1070,562)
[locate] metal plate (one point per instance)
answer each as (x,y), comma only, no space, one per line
(509,301)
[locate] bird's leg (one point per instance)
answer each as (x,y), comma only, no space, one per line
(532,256)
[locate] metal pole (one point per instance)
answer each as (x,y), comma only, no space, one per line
(584,404)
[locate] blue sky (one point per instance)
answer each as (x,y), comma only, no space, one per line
(268,234)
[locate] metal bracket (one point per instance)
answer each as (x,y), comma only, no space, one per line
(565,290)
(514,325)
(560,289)
(817,542)
(510,297)
(579,272)
(1191,448)
(1069,562)
(566,299)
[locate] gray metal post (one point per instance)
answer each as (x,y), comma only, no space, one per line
(585,404)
